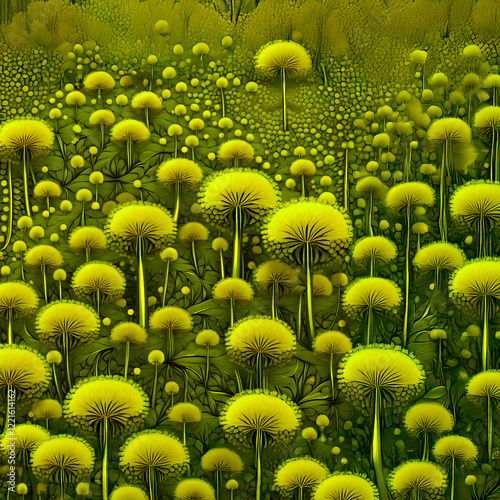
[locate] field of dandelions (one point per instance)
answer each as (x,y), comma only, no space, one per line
(248,250)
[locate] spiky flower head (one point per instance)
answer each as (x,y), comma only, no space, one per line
(193,232)
(29,137)
(432,418)
(99,80)
(179,172)
(248,191)
(98,278)
(275,275)
(453,131)
(184,413)
(222,460)
(409,195)
(299,474)
(377,294)
(331,343)
(477,203)
(459,449)
(62,457)
(17,299)
(194,489)
(376,248)
(235,289)
(104,117)
(477,283)
(144,224)
(47,189)
(371,185)
(322,286)
(251,413)
(170,318)
(128,331)
(293,226)
(236,150)
(146,100)
(88,238)
(130,130)
(111,400)
(485,385)
(127,492)
(439,256)
(392,372)
(27,437)
(303,168)
(76,321)
(343,485)
(47,409)
(260,339)
(288,57)
(153,451)
(43,255)
(418,479)
(23,369)
(207,338)
(487,120)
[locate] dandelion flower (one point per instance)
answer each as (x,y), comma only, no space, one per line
(331,343)
(126,492)
(322,286)
(27,438)
(131,132)
(99,80)
(184,413)
(89,240)
(345,485)
(375,250)
(194,489)
(236,153)
(418,479)
(47,409)
(299,474)
(17,300)
(276,275)
(222,461)
(236,290)
(153,457)
(62,459)
(409,195)
(47,189)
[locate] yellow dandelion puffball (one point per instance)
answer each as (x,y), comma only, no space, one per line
(99,278)
(322,287)
(331,343)
(172,388)
(303,167)
(25,136)
(47,189)
(47,409)
(237,151)
(132,131)
(43,255)
(104,117)
(345,484)
(170,319)
(146,101)
(409,194)
(485,385)
(260,339)
(452,131)
(428,418)
(75,98)
(190,489)
(193,232)
(299,474)
(207,338)
(418,478)
(99,80)
(276,418)
(458,448)
(309,434)
(162,27)
(129,331)
(374,248)
(220,243)
(293,227)
(88,239)
(235,289)
(26,436)
(126,492)
(17,299)
(275,275)
(169,254)
(65,319)
(82,489)
(184,413)
(54,357)
(475,202)
(288,57)
(179,172)
(222,460)
(439,256)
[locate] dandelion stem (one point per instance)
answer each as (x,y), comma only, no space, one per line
(309,289)
(105,461)
(370,214)
(207,372)
(332,378)
(486,336)
(68,362)
(443,225)
(141,284)
(223,103)
(283,88)
(10,334)
(165,285)
(222,274)
(231,305)
(369,326)
(425,453)
(195,261)
(299,317)
(153,396)
(127,359)
(452,492)
(177,201)
(25,181)
(56,383)
(407,277)
(238,227)
(258,465)
(377,448)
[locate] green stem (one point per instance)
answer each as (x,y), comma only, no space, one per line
(369,327)
(10,333)
(309,290)
(82,218)
(332,378)
(222,274)
(452,492)
(370,214)
(153,396)
(231,306)
(258,451)
(184,433)
(486,336)
(490,429)
(45,290)
(26,187)
(283,89)
(303,181)
(177,206)
(195,261)
(56,383)
(67,358)
(129,155)
(377,448)
(346,181)
(443,225)
(425,453)
(299,317)
(164,296)
(207,372)
(407,277)
(141,285)
(127,359)
(274,312)
(223,102)
(105,478)
(146,112)
(238,228)
(175,146)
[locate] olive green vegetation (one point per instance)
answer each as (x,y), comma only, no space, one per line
(249,250)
